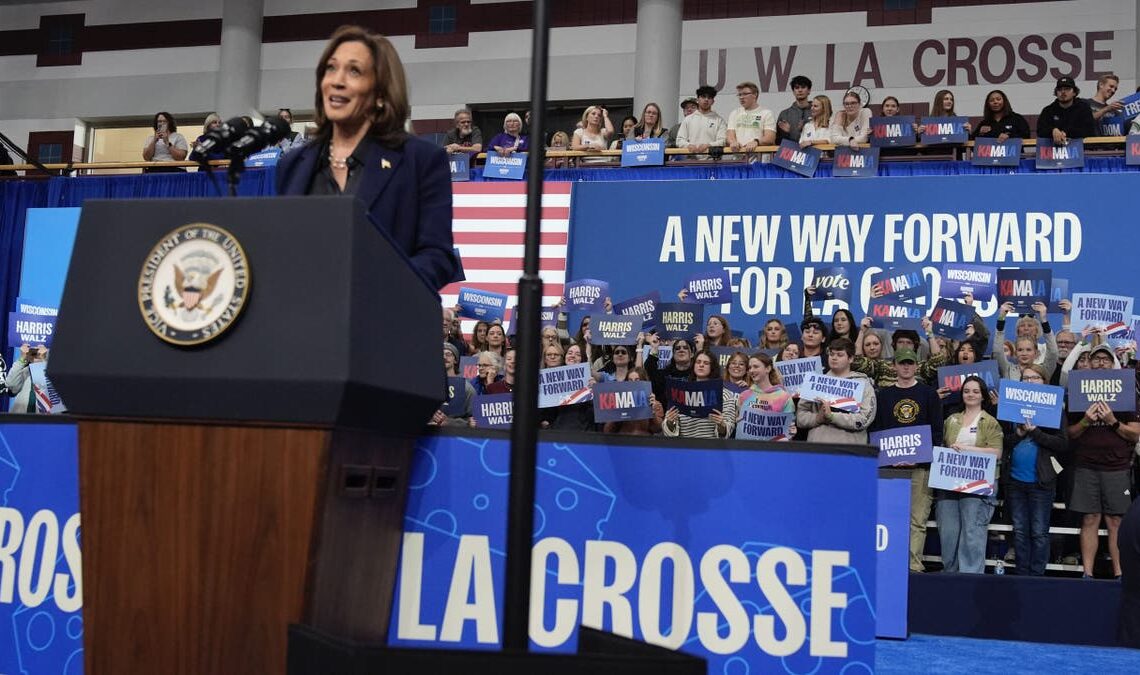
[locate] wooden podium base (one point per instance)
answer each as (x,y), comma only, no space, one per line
(202,542)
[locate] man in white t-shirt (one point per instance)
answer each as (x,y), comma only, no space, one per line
(750,126)
(704,127)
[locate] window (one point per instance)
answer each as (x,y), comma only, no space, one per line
(60,40)
(441,19)
(899,4)
(51,153)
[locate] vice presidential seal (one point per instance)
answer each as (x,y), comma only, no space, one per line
(194,284)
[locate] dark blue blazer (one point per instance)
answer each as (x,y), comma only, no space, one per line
(406,192)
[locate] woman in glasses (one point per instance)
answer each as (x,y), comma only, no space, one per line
(489,364)
(851,125)
(678,366)
(720,421)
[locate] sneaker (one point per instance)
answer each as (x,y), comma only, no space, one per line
(1010,556)
(1070,559)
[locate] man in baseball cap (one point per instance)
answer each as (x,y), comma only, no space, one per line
(1067,116)
(688,107)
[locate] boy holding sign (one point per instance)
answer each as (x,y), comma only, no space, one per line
(826,425)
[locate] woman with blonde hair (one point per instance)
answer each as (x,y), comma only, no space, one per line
(594,134)
(650,124)
(817,130)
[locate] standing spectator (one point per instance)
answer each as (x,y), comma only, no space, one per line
(460,412)
(594,134)
(1025,349)
(1067,116)
(165,144)
(1102,442)
(766,391)
(1066,340)
(774,335)
(813,333)
(19,382)
(497,340)
(793,118)
(511,140)
(719,423)
(998,119)
(704,128)
(1100,102)
(817,130)
(679,366)
(490,364)
(650,124)
(825,425)
(688,107)
(749,126)
(963,519)
(911,403)
(851,125)
(293,140)
(465,136)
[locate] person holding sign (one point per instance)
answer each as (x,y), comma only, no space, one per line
(1031,453)
(1101,102)
(679,366)
(998,119)
(825,425)
(766,392)
(19,379)
(646,427)
(1025,349)
(719,423)
(943,106)
(851,125)
(963,519)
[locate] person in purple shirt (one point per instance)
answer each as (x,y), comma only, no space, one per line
(511,140)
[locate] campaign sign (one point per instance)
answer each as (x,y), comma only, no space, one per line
(664,353)
(644,306)
(456,388)
(1132,150)
(958,280)
(1110,126)
(951,377)
(1117,388)
(950,318)
(892,559)
(831,283)
(709,288)
(1039,403)
(906,282)
(487,306)
(906,445)
(564,385)
(840,393)
(1071,155)
(511,167)
(735,388)
(548,316)
(1023,287)
(992,152)
(614,329)
(1111,314)
(460,165)
(942,130)
(723,354)
(794,332)
(695,398)
(761,425)
(1058,291)
(676,320)
(621,401)
(792,157)
(794,372)
(264,158)
(855,162)
(587,294)
(1120,121)
(892,132)
(963,471)
(493,411)
(893,315)
(647,152)
(30,329)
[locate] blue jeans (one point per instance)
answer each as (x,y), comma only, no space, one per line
(962,522)
(1029,507)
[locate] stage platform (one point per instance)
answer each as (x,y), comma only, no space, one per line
(936,654)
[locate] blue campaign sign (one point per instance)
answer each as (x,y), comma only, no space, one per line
(468,367)
(1120,122)
(760,425)
(1132,150)
(722,354)
(493,411)
(792,157)
(676,320)
(586,294)
(644,306)
(456,387)
(1024,287)
(511,167)
(893,315)
(951,377)
(855,162)
(905,445)
(958,280)
(1058,291)
(943,130)
(460,165)
(897,131)
(564,385)
(1040,403)
(992,152)
(1071,155)
(695,398)
(664,352)
(906,282)
(547,317)
(475,303)
(605,504)
(264,158)
(708,288)
(40,534)
(831,283)
(1111,126)
(648,152)
(621,401)
(1108,313)
(950,318)
(892,566)
(840,393)
(795,371)
(964,471)
(1117,388)
(30,329)
(611,329)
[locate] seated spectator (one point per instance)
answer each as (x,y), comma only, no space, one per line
(852,125)
(213,121)
(719,423)
(559,142)
(465,136)
(704,128)
(627,126)
(825,425)
(998,119)
(688,107)
(1067,116)
(817,130)
(511,140)
(943,106)
(792,119)
(165,144)
(1101,104)
(890,108)
(750,125)
(650,125)
(594,134)
(293,140)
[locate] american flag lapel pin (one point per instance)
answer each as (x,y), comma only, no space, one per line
(385,164)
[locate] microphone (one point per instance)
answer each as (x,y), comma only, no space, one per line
(257,138)
(220,136)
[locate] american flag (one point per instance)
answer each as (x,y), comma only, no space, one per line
(488,223)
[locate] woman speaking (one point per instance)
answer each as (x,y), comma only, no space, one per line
(362,149)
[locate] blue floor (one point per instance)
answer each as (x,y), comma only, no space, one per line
(940,654)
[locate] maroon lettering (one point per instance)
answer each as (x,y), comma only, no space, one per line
(843,161)
(1046,153)
(607,401)
(1134,149)
(703,68)
(919,74)
(985,55)
(786,153)
(1074,60)
(1032,58)
(966,63)
(1092,54)
(829,71)
(774,65)
(868,67)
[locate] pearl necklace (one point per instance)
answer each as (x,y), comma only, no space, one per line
(338,163)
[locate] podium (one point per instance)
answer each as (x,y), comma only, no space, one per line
(231,488)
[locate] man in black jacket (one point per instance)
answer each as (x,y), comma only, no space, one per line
(1067,116)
